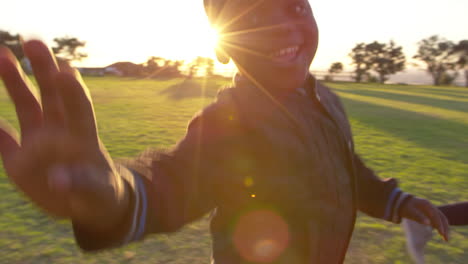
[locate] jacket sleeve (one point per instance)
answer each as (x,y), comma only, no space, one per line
(172,188)
(380,198)
(376,197)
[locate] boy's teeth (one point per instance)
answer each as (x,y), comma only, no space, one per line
(285,51)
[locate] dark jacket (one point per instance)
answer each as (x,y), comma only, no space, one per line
(279,173)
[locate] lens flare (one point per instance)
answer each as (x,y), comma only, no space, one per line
(261,236)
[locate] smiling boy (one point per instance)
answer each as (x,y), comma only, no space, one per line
(272,157)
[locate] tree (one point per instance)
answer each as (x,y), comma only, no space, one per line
(13,42)
(156,67)
(335,68)
(381,58)
(385,59)
(153,66)
(359,56)
(171,69)
(201,62)
(193,67)
(438,55)
(461,51)
(209,67)
(67,48)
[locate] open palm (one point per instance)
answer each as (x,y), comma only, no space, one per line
(58,161)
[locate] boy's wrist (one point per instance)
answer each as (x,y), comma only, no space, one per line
(126,220)
(103,216)
(397,199)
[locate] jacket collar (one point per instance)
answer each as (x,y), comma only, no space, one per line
(243,82)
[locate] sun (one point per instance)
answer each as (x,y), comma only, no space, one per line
(212,37)
(182,42)
(204,43)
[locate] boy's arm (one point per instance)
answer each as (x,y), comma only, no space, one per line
(376,197)
(61,165)
(383,199)
(168,189)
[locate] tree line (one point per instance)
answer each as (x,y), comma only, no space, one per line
(65,48)
(71,49)
(158,67)
(375,62)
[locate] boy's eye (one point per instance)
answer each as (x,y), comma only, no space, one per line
(299,9)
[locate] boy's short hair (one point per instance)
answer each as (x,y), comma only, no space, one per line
(212,8)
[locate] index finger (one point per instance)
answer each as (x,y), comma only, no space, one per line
(20,89)
(45,68)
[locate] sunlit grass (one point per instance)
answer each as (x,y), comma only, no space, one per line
(410,92)
(411,107)
(417,134)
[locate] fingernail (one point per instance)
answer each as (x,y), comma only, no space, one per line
(58,179)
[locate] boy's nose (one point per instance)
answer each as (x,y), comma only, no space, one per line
(283,29)
(286,26)
(281,22)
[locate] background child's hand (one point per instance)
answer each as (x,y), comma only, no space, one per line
(424,212)
(59,161)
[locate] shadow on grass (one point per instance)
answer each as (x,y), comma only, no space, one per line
(191,88)
(432,102)
(441,135)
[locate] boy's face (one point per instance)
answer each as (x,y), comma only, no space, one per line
(273,41)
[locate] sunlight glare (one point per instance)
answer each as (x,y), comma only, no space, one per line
(213,38)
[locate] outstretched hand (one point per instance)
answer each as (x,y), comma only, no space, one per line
(57,160)
(424,212)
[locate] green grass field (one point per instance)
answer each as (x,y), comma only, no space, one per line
(418,134)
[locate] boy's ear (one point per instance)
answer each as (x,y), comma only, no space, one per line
(222,56)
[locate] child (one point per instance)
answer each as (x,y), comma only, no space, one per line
(273,155)
(418,235)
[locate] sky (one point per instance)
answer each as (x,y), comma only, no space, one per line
(178,29)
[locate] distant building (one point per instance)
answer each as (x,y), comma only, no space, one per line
(124,68)
(86,71)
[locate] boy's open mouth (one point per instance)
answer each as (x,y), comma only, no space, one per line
(285,55)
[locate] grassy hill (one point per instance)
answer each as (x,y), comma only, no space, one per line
(418,134)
